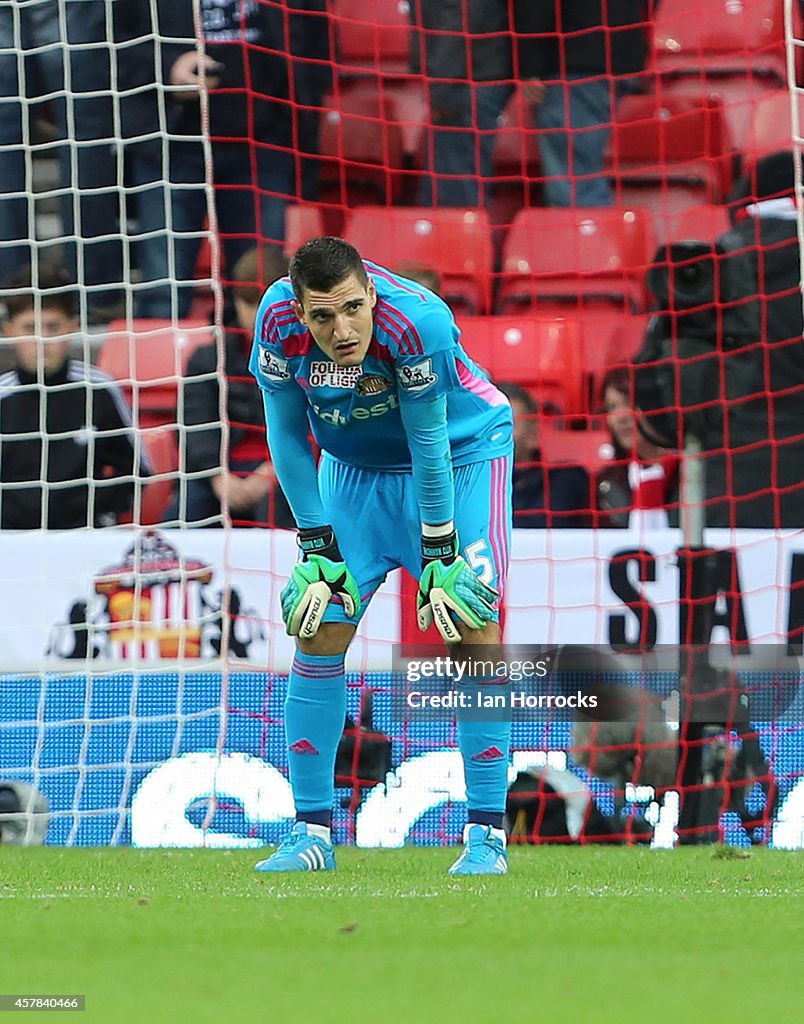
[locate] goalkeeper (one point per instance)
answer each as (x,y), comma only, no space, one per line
(416,472)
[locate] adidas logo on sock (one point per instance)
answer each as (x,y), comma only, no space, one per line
(302,747)
(489,754)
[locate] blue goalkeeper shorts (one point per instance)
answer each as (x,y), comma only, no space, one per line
(377,523)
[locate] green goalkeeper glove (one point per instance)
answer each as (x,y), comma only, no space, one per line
(320,575)
(450,591)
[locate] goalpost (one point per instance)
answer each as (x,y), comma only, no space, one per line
(142,665)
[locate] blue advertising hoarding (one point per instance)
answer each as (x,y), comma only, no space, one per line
(100,746)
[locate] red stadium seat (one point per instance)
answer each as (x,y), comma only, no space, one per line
(664,142)
(361,146)
(541,354)
(738,95)
(713,37)
(771,127)
(456,243)
(372,35)
(517,164)
(409,104)
(591,449)
(161,445)
(608,336)
(698,223)
(401,100)
(302,222)
(149,357)
(516,152)
(564,254)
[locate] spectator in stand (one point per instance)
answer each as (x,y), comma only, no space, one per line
(254,497)
(576,58)
(639,489)
(265,68)
(73,72)
(572,55)
(731,373)
(542,497)
(427,276)
(68,456)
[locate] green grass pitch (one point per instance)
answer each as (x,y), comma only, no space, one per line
(569,935)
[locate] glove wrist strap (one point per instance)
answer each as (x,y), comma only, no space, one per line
(442,549)
(319,540)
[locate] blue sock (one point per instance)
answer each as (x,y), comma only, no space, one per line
(485,748)
(315,708)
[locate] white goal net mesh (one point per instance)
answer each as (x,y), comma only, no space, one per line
(159,162)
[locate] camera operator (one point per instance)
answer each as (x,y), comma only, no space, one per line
(723,358)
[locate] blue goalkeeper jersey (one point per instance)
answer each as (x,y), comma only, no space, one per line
(415,355)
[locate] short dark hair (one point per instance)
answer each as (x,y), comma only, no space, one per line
(322,263)
(54,286)
(255,270)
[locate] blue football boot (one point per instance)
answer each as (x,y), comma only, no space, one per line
(300,852)
(483,853)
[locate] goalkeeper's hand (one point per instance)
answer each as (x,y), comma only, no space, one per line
(319,575)
(450,591)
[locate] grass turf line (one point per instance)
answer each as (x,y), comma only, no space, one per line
(570,935)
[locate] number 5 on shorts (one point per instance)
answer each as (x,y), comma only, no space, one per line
(479,561)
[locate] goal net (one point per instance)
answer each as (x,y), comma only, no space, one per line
(610,208)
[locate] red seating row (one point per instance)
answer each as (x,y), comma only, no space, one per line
(149,357)
(372,141)
(577,256)
(730,52)
(670,149)
(554,356)
(688,35)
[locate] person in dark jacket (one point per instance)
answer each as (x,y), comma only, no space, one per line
(542,497)
(572,55)
(264,69)
(253,496)
(60,51)
(68,456)
(728,368)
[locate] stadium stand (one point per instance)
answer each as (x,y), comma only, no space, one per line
(454,243)
(712,38)
(541,354)
(372,36)
(577,256)
(561,447)
(670,152)
(771,127)
(149,358)
(362,149)
(697,222)
(302,222)
(163,453)
(732,52)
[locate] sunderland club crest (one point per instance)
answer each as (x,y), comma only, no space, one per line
(154,604)
(372,384)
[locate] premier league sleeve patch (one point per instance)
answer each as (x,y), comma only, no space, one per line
(272,366)
(416,377)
